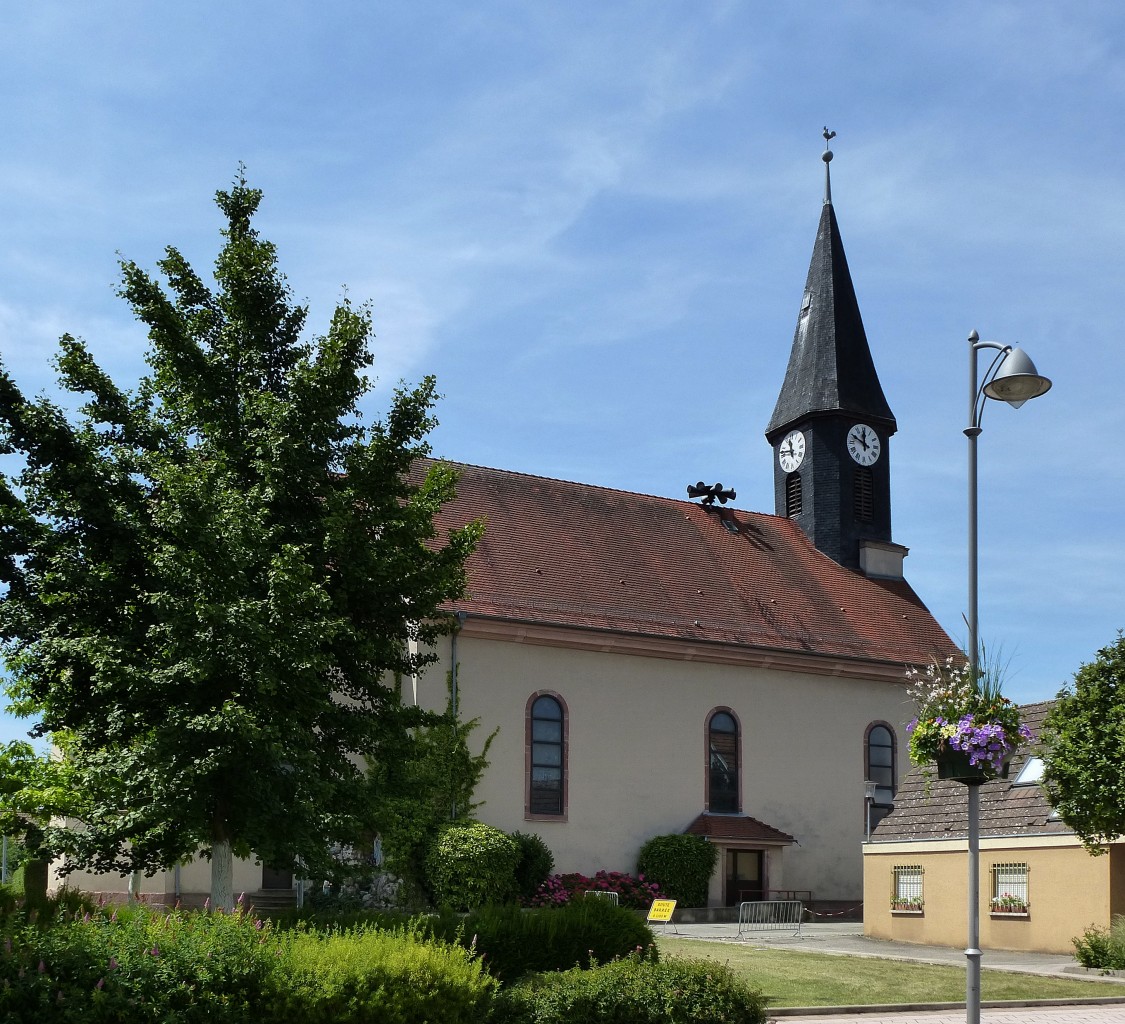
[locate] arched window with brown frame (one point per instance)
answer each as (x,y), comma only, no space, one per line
(546,750)
(880,753)
(724,762)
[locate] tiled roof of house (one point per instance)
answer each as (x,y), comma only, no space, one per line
(939,811)
(737,826)
(575,555)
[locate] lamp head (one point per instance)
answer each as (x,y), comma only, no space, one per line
(1017,380)
(869,790)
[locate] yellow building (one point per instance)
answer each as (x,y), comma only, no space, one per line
(1039,887)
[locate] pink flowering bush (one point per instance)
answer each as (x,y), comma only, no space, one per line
(632,891)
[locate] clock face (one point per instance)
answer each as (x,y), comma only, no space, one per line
(864,445)
(792,451)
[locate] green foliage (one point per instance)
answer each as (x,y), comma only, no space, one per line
(1084,755)
(363,975)
(1102,948)
(513,942)
(429,779)
(635,990)
(472,865)
(681,865)
(535,863)
(137,966)
(209,582)
(34,788)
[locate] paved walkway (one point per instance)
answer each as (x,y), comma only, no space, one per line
(841,938)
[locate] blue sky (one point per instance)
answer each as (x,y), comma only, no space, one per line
(593,222)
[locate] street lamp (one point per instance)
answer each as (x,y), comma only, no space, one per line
(869,788)
(1011,377)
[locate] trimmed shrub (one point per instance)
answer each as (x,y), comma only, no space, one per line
(365,975)
(472,865)
(681,865)
(514,942)
(535,863)
(636,990)
(637,893)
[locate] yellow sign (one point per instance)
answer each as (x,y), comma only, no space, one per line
(661,910)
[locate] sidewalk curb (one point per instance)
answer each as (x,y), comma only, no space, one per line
(988,1004)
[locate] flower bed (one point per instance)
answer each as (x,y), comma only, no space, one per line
(632,891)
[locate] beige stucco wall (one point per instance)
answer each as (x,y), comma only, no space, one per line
(637,751)
(1068,890)
(637,755)
(194,882)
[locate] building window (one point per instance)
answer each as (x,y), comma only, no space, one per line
(546,756)
(1009,890)
(879,761)
(906,888)
(723,772)
(793,495)
(864,494)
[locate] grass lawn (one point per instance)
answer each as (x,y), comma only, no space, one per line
(792,978)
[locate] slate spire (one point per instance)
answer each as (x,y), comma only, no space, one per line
(831,427)
(830,367)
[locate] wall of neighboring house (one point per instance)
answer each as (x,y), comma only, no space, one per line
(1068,890)
(194,883)
(636,758)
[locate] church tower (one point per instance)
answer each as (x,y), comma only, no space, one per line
(831,427)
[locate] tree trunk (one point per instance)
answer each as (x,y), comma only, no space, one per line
(222,876)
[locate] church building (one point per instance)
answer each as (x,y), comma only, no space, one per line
(658,665)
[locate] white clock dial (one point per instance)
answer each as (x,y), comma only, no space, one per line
(864,445)
(792,451)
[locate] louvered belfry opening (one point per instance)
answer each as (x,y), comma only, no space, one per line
(793,495)
(864,494)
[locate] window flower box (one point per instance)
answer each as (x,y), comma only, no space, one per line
(1008,906)
(907,906)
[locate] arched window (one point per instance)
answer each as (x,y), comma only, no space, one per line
(546,756)
(879,758)
(723,768)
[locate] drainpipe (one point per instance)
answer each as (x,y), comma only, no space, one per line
(461,617)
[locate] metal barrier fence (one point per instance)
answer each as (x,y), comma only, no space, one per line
(605,894)
(771,916)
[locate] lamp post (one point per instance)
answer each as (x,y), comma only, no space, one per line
(1011,377)
(869,788)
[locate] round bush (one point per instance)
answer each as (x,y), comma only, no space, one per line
(535,863)
(633,990)
(472,865)
(681,865)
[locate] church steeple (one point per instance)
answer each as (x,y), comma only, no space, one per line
(833,411)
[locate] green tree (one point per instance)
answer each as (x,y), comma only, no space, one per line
(34,788)
(214,580)
(434,774)
(1084,753)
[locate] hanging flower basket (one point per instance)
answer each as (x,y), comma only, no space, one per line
(958,765)
(964,726)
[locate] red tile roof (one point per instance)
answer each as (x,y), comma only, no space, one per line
(574,555)
(737,826)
